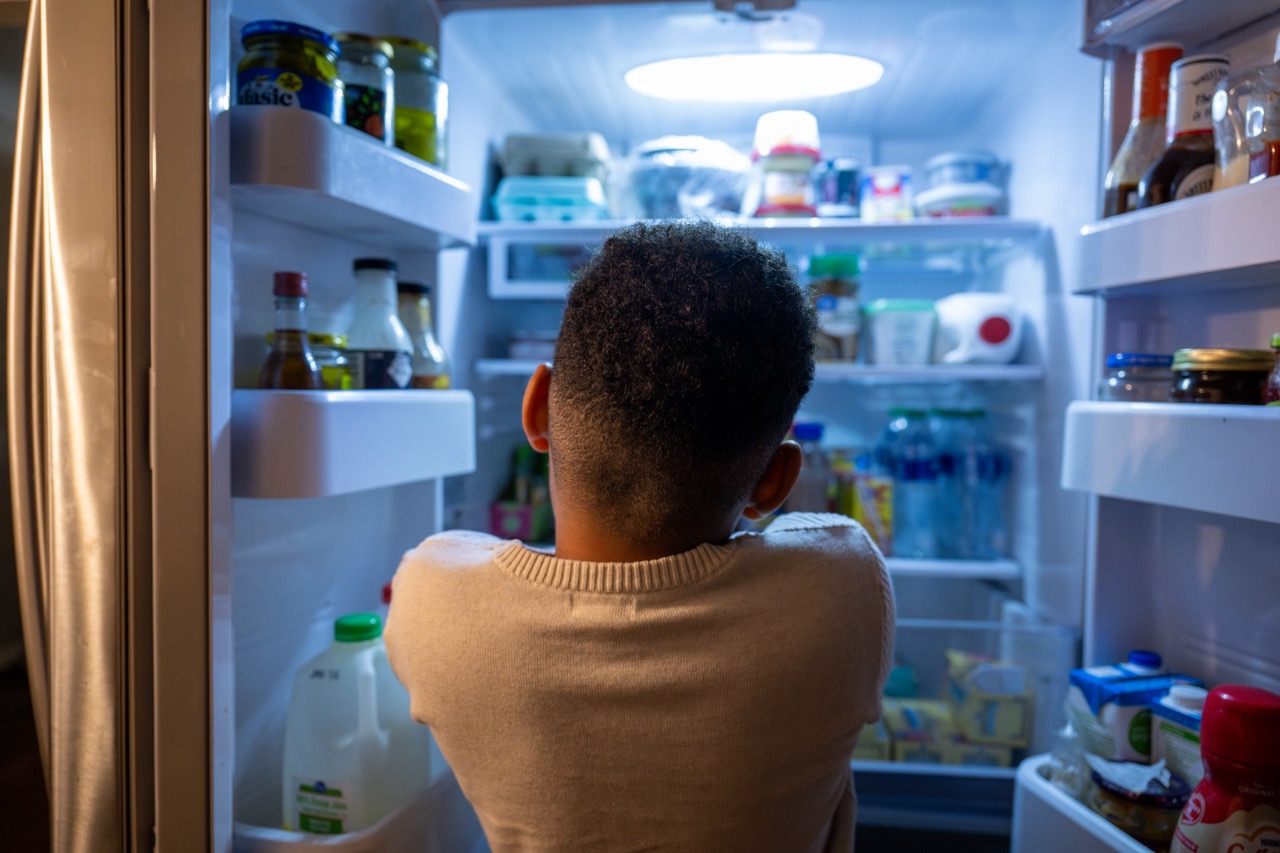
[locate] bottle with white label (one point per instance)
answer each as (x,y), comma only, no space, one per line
(1186,168)
(379,349)
(352,752)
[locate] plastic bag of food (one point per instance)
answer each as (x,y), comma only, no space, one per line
(685,176)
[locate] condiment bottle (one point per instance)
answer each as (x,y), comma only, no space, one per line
(422,101)
(365,68)
(833,287)
(430,364)
(1144,142)
(378,347)
(1236,806)
(290,364)
(1186,167)
(1271,392)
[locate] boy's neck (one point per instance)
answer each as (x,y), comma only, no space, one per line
(579,539)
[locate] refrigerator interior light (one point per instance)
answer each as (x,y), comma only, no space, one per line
(755,77)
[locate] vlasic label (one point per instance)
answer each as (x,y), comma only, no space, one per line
(283,88)
(380,368)
(319,807)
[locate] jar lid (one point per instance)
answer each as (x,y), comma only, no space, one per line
(807,430)
(416,288)
(1138,359)
(1156,795)
(841,265)
(372,42)
(288,28)
(289,284)
(1222,359)
(374,264)
(881,306)
(1188,696)
(355,627)
(1208,58)
(1145,659)
(904,412)
(1275,339)
(1242,723)
(984,158)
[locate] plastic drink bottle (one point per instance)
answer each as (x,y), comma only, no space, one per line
(1236,806)
(352,752)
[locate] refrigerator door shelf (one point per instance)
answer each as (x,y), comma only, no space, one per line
(842,372)
(306,444)
(1211,458)
(1048,818)
(440,821)
(299,167)
(1216,241)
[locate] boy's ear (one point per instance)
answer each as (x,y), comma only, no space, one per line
(533,412)
(776,482)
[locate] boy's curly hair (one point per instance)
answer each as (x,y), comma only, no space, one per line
(684,353)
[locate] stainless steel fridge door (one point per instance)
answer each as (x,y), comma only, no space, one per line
(102,506)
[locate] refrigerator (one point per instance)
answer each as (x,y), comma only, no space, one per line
(185,541)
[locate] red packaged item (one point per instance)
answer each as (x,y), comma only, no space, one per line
(1236,806)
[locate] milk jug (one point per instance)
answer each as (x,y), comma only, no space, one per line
(352,753)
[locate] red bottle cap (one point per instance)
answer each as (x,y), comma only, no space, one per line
(290,284)
(1242,724)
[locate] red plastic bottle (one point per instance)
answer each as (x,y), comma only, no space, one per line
(1236,806)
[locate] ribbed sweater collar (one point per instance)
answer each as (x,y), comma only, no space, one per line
(583,576)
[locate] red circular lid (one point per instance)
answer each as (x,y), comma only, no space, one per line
(290,284)
(1242,724)
(386,593)
(995,330)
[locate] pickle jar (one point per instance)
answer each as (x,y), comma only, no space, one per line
(1220,376)
(833,288)
(1137,377)
(364,66)
(422,101)
(330,352)
(289,65)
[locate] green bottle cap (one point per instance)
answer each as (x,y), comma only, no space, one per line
(357,627)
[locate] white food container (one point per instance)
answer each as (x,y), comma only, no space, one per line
(900,331)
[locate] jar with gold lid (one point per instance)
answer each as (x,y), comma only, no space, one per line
(369,84)
(1220,376)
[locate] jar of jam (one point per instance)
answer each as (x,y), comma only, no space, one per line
(289,65)
(1271,394)
(1137,377)
(1220,376)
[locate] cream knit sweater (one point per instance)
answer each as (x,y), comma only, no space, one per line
(703,702)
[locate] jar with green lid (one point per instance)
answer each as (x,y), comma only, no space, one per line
(1220,376)
(290,65)
(330,354)
(422,101)
(364,67)
(833,287)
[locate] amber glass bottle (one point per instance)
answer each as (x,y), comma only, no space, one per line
(1187,165)
(290,365)
(430,364)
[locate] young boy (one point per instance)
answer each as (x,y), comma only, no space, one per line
(658,683)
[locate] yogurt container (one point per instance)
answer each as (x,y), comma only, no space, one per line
(900,331)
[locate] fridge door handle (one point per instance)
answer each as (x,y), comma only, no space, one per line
(23,382)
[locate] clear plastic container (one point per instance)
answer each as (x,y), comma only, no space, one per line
(900,331)
(352,753)
(1137,377)
(550,199)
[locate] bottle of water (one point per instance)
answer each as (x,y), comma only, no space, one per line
(811,491)
(908,450)
(972,474)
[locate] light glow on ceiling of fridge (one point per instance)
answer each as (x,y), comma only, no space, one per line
(755,77)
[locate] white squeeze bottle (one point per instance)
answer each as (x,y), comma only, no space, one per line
(352,753)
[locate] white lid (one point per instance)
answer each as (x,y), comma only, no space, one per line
(1188,696)
(946,159)
(1276,56)
(787,132)
(978,193)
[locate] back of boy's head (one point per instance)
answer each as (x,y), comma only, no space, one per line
(683,355)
